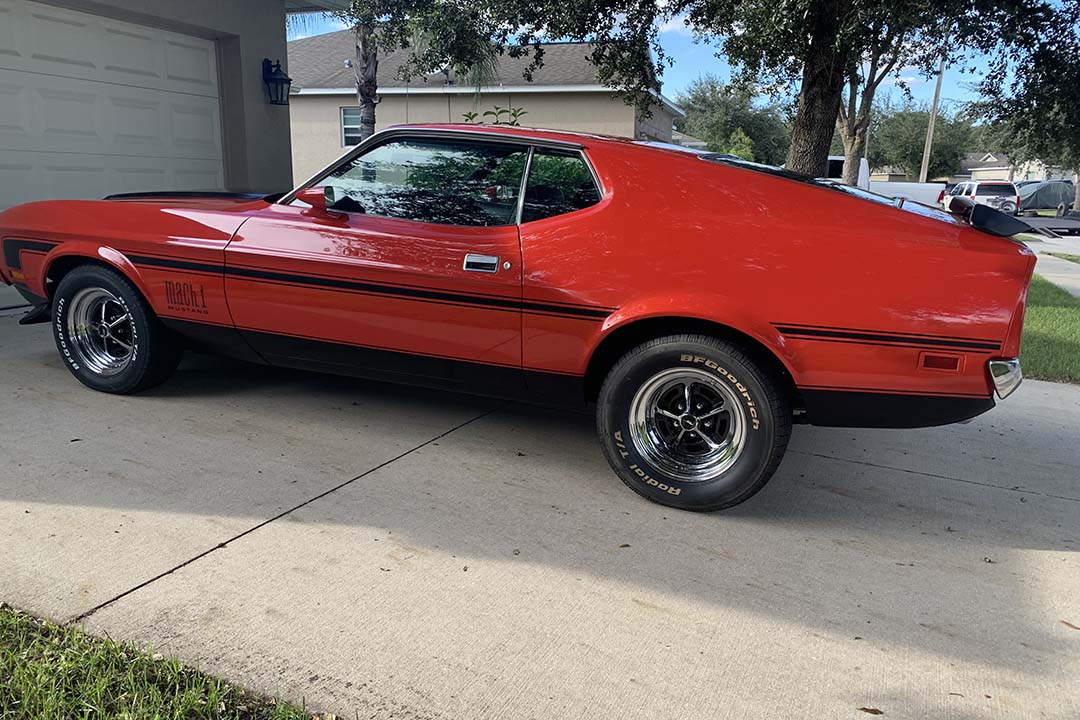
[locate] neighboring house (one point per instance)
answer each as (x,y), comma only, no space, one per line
(997,166)
(117,96)
(889,173)
(563,94)
(681,138)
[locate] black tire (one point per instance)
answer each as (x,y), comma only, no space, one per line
(154,349)
(756,405)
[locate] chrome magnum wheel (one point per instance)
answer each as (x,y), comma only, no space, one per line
(688,423)
(107,333)
(102,333)
(693,421)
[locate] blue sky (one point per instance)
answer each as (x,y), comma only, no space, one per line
(695,59)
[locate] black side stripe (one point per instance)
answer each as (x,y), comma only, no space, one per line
(176,264)
(874,337)
(14,246)
(374,288)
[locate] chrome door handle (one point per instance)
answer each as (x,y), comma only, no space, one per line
(481,263)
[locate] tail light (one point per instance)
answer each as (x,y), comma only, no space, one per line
(941,196)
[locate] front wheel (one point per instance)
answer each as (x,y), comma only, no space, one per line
(108,335)
(692,422)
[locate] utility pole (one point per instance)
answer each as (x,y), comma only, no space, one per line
(933,118)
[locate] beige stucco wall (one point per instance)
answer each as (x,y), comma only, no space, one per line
(256,134)
(657,126)
(316,119)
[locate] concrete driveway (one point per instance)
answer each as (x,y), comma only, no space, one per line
(385,552)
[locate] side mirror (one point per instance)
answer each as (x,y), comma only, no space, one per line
(316,197)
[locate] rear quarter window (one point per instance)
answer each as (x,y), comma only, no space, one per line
(997,189)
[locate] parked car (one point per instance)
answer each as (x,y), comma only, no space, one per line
(703,304)
(998,194)
(1047,195)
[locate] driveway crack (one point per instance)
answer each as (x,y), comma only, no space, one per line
(1007,488)
(83,615)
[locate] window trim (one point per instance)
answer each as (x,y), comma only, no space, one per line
(342,110)
(479,135)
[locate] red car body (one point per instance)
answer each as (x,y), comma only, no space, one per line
(876,315)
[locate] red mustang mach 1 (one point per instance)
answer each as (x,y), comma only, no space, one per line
(704,304)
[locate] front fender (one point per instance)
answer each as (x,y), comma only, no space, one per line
(89,250)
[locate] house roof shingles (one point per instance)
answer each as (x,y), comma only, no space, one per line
(319,62)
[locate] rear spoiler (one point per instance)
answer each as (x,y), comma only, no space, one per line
(987,219)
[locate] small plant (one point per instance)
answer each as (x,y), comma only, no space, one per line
(498,116)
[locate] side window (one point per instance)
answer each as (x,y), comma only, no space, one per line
(448,182)
(559,182)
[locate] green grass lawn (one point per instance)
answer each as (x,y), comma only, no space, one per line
(49,672)
(1051,344)
(1066,256)
(1029,238)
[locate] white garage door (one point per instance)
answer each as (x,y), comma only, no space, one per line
(91,106)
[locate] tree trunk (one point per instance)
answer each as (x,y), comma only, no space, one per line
(854,149)
(820,94)
(365,69)
(1076,197)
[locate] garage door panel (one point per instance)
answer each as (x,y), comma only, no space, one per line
(91,106)
(63,115)
(47,40)
(190,65)
(7,30)
(26,177)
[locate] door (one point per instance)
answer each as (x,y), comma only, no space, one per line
(413,272)
(91,106)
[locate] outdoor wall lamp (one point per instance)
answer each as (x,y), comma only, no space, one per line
(277,82)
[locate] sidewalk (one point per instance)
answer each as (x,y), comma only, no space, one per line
(1063,273)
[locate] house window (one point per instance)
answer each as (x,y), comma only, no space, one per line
(350,126)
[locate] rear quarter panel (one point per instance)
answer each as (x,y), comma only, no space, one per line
(679,236)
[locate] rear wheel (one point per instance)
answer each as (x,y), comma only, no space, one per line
(108,335)
(691,421)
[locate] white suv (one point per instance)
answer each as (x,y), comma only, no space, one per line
(998,194)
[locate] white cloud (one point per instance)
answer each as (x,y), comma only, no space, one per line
(677,25)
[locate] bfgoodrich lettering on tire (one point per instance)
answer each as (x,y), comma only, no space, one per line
(690,421)
(107,334)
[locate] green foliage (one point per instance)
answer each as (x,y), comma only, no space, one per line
(715,112)
(740,144)
(48,672)
(1051,344)
(897,136)
(769,43)
(497,116)
(505,116)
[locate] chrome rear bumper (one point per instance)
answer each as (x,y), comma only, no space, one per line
(1006,375)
